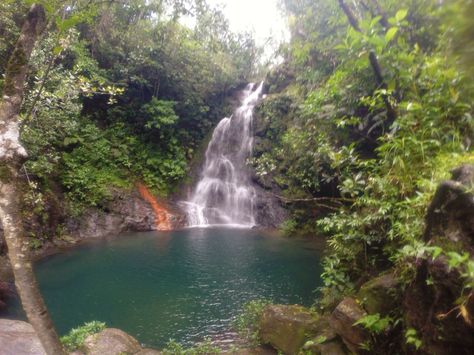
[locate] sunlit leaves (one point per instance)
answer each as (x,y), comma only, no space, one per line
(401,14)
(390,34)
(374,323)
(412,338)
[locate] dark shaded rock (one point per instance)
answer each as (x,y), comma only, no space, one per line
(111,341)
(430,307)
(3,244)
(6,271)
(19,338)
(450,216)
(287,328)
(325,340)
(464,175)
(269,210)
(380,295)
(342,320)
(7,291)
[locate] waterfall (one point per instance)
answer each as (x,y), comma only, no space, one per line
(224,193)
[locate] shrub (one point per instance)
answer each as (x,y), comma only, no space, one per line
(247,323)
(76,337)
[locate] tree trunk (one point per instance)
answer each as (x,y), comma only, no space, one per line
(12,155)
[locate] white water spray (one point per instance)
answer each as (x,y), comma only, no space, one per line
(224,193)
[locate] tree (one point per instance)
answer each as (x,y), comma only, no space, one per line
(12,155)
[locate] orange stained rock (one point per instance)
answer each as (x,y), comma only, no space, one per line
(161,213)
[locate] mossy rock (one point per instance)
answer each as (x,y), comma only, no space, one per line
(111,341)
(380,295)
(342,320)
(287,328)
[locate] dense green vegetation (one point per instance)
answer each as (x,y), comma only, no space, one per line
(359,152)
(368,112)
(122,91)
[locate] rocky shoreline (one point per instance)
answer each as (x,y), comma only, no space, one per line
(126,211)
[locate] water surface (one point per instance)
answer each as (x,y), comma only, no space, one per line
(181,285)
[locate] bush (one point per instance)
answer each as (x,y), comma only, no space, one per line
(247,323)
(76,337)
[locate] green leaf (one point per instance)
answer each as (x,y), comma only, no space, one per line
(401,14)
(413,106)
(374,21)
(391,33)
(57,50)
(436,252)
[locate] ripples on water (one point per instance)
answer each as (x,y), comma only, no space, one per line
(181,285)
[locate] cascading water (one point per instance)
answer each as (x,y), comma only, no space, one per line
(224,194)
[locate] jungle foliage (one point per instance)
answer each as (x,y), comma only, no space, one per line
(358,153)
(121,91)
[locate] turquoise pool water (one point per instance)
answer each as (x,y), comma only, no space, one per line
(182,285)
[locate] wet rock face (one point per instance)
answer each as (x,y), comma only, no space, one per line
(19,338)
(269,211)
(125,212)
(111,341)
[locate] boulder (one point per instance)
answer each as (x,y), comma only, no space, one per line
(342,320)
(380,295)
(450,215)
(111,341)
(19,338)
(326,341)
(287,328)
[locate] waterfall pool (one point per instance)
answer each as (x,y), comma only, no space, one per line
(182,285)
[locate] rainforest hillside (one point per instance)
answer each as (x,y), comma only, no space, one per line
(370,111)
(363,135)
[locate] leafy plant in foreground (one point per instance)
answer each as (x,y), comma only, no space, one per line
(76,337)
(247,323)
